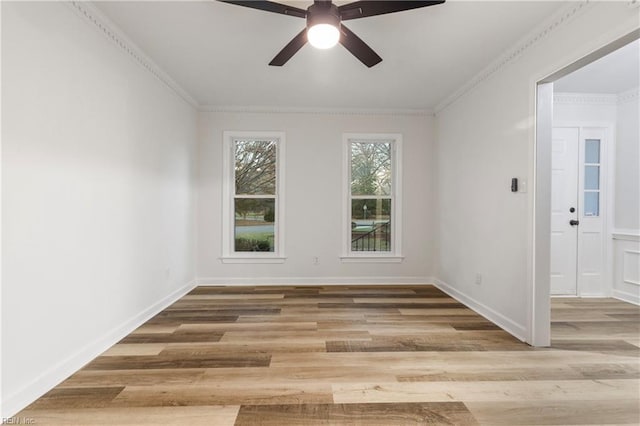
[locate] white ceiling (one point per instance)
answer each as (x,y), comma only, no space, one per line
(219,52)
(617,72)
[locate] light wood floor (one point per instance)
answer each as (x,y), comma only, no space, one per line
(370,355)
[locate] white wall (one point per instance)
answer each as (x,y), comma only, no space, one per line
(626,276)
(313,188)
(627,163)
(484,139)
(97,184)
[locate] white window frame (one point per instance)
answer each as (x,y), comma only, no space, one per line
(229,255)
(395,255)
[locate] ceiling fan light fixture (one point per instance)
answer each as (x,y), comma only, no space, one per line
(323,36)
(323,25)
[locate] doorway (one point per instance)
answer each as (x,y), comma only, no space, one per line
(540,305)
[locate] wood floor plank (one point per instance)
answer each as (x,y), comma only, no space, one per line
(151,377)
(609,412)
(224,394)
(432,413)
(548,390)
(137,416)
(193,361)
(124,349)
(84,397)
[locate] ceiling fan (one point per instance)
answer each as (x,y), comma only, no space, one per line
(324,24)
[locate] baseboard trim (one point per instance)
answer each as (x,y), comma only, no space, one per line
(59,372)
(626,297)
(302,281)
(511,327)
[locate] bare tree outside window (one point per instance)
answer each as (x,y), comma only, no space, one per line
(255,195)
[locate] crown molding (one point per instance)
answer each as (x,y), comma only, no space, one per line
(601,99)
(629,96)
(312,110)
(598,99)
(111,31)
(556,20)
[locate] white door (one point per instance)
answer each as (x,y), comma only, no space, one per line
(577,225)
(564,208)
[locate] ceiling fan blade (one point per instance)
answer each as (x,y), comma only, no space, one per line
(269,6)
(365,8)
(290,49)
(358,48)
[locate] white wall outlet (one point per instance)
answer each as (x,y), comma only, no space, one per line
(316,260)
(478,279)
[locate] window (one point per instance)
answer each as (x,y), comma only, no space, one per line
(372,190)
(253,197)
(591,178)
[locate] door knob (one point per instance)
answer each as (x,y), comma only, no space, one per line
(574,222)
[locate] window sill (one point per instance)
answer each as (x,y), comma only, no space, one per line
(372,259)
(255,260)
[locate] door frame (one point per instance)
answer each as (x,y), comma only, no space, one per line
(538,294)
(608,167)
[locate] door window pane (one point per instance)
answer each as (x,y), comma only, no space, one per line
(254,228)
(592,177)
(371,224)
(592,203)
(255,167)
(592,151)
(370,168)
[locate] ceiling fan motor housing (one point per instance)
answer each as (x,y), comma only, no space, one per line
(323,13)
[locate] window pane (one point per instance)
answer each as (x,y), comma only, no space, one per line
(371,225)
(592,177)
(592,203)
(370,168)
(254,224)
(592,151)
(255,167)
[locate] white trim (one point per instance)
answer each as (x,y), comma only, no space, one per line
(110,30)
(228,185)
(60,371)
(539,220)
(590,295)
(556,21)
(626,297)
(629,96)
(372,259)
(315,110)
(519,331)
(254,259)
(599,99)
(301,281)
(396,197)
(626,252)
(626,234)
